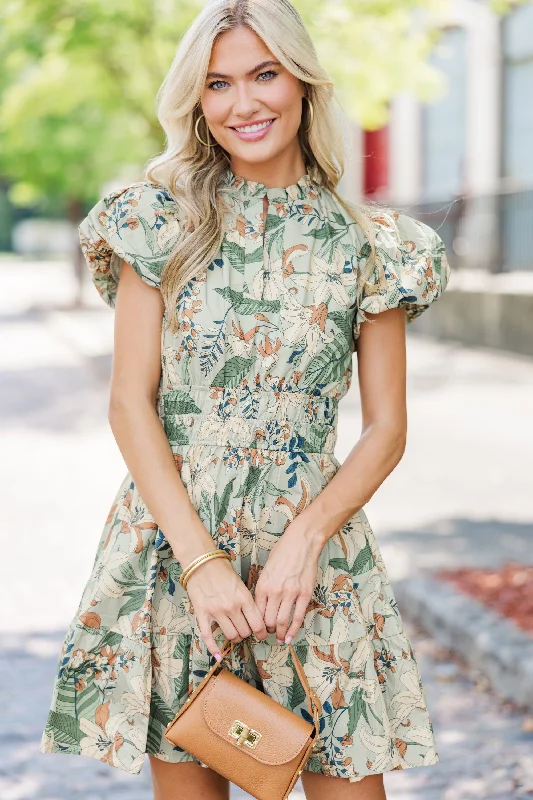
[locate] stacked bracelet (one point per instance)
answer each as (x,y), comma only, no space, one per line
(197,562)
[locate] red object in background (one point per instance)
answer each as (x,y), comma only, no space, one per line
(508,590)
(376,161)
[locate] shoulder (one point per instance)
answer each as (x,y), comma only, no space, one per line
(139,224)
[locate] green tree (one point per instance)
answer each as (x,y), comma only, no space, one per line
(78,80)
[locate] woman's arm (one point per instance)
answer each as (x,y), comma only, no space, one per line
(289,575)
(216,591)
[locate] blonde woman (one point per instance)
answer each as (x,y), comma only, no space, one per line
(246,285)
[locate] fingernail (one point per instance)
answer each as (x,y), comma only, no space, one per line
(218,656)
(288,639)
(279,641)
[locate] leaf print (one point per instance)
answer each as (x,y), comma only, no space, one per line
(180,402)
(232,372)
(221,503)
(65,729)
(327,366)
(340,563)
(356,710)
(255,257)
(136,600)
(213,349)
(159,710)
(175,430)
(343,323)
(364,561)
(235,254)
(315,442)
(88,699)
(248,305)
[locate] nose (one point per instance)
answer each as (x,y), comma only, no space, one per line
(245,104)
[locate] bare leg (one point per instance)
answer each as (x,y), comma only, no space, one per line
(186,781)
(318,787)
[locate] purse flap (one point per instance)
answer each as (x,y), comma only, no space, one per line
(252,721)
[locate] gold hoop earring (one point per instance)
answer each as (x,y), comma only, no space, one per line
(311,114)
(206,144)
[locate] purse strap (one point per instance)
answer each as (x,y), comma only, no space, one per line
(313,703)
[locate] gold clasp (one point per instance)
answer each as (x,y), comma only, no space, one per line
(244,734)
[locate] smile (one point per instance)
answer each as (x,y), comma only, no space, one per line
(252,128)
(254,132)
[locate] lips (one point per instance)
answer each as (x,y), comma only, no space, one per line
(240,128)
(257,135)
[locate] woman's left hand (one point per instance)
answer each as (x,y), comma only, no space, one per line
(288,579)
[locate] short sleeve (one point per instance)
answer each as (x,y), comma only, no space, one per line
(138,224)
(415,268)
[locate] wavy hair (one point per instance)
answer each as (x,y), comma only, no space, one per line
(191,171)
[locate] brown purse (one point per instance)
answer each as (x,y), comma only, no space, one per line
(245,735)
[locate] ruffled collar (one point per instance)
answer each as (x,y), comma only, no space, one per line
(305,188)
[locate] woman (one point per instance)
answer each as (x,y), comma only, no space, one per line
(229,365)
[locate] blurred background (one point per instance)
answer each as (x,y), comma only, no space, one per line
(439,94)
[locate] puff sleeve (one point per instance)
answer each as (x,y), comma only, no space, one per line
(138,224)
(415,268)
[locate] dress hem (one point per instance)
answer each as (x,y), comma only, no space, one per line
(188,759)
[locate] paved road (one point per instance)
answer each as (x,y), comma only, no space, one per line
(461,494)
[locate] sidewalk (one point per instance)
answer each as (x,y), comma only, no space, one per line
(460,495)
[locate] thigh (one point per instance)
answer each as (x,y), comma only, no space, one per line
(318,786)
(186,780)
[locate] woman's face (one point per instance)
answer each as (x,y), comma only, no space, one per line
(250,86)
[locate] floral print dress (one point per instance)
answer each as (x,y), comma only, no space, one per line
(249,400)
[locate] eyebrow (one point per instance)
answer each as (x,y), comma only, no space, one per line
(262,65)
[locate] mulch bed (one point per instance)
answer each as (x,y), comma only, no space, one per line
(508,590)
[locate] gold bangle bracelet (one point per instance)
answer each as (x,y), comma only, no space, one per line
(193,567)
(198,559)
(197,562)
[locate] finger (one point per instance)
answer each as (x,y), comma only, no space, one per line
(271,613)
(207,636)
(282,622)
(255,620)
(260,599)
(239,620)
(228,628)
(302,601)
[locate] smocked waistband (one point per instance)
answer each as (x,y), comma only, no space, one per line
(256,418)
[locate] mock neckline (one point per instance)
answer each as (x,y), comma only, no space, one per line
(305,187)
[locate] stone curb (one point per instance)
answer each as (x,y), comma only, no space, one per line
(488,642)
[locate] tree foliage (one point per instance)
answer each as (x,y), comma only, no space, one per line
(78,79)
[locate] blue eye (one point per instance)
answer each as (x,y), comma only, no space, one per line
(269,72)
(211,85)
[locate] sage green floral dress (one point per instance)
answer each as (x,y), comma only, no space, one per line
(249,400)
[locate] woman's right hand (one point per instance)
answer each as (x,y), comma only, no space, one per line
(217,593)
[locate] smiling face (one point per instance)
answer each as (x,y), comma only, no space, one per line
(253,107)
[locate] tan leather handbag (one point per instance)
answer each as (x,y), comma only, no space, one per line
(244,734)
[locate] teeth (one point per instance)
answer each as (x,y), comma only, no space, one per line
(251,128)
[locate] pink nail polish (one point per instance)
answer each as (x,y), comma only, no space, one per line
(288,639)
(218,656)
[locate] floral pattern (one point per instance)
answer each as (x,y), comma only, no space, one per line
(249,397)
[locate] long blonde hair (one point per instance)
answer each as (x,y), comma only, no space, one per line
(191,171)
